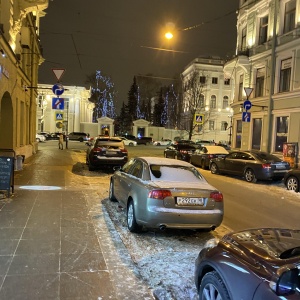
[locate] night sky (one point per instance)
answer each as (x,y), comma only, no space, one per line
(124,38)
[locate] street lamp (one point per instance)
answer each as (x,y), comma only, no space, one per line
(230,126)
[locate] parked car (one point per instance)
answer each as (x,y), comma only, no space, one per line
(164,193)
(54,136)
(45,134)
(163,142)
(181,151)
(129,137)
(203,143)
(251,264)
(40,138)
(292,179)
(144,140)
(128,142)
(106,151)
(202,157)
(253,165)
(78,136)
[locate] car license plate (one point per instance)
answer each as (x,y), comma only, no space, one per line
(190,201)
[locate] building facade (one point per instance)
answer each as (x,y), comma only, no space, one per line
(21,55)
(268,63)
(209,93)
(67,113)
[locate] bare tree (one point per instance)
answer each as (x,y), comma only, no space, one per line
(194,110)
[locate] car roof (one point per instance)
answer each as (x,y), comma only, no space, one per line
(164,161)
(215,149)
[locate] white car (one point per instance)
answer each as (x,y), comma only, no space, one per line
(164,142)
(129,142)
(40,138)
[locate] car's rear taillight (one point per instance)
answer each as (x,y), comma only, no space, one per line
(123,150)
(98,149)
(266,166)
(210,156)
(159,194)
(217,196)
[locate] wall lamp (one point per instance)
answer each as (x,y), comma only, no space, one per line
(3,54)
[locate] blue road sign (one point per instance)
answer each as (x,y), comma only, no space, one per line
(58,89)
(58,103)
(247,105)
(246,116)
(59,116)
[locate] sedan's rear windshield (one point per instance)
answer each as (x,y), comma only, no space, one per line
(174,173)
(266,156)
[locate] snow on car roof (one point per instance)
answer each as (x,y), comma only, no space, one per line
(165,161)
(216,149)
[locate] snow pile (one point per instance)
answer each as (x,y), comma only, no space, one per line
(165,259)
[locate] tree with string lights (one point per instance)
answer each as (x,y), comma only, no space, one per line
(102,95)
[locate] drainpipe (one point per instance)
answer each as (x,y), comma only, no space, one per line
(272,81)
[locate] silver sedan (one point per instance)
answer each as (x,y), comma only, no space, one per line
(165,193)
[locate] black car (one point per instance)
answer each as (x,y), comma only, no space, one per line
(253,165)
(292,179)
(144,140)
(202,157)
(251,264)
(182,151)
(106,151)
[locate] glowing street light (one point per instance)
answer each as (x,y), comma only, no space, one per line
(169,35)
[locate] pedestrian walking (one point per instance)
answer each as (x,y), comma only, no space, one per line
(60,141)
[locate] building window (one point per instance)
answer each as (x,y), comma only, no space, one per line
(202,79)
(226,81)
(282,127)
(225,102)
(285,75)
(256,133)
(260,82)
(214,80)
(263,30)
(241,85)
(224,125)
(289,16)
(238,137)
(201,101)
(213,101)
(211,125)
(243,39)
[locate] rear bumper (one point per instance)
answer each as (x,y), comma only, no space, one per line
(112,161)
(158,217)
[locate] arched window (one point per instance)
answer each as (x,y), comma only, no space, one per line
(225,102)
(213,101)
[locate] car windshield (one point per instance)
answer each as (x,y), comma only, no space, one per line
(266,156)
(174,173)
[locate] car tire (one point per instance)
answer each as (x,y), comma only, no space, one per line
(130,144)
(214,169)
(91,167)
(132,225)
(212,287)
(111,195)
(250,176)
(292,184)
(81,140)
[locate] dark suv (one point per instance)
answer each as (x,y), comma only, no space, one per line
(144,140)
(106,151)
(78,136)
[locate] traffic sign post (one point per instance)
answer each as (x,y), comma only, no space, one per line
(247,105)
(58,73)
(58,89)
